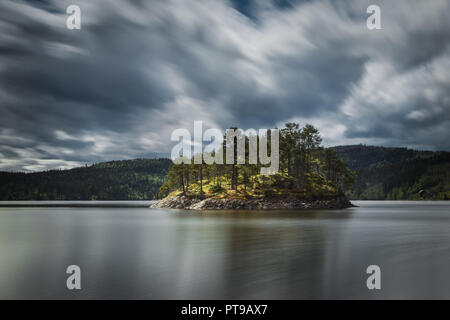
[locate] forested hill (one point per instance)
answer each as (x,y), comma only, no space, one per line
(380,173)
(361,156)
(138,179)
(397,173)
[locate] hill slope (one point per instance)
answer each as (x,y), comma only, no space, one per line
(138,179)
(380,173)
(397,173)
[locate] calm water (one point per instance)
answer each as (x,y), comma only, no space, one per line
(134,252)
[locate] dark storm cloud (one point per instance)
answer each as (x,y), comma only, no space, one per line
(139,69)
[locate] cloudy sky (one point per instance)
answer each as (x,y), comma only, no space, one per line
(139,69)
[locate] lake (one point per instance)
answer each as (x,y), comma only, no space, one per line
(127,251)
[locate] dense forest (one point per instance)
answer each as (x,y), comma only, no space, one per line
(397,173)
(307,170)
(138,179)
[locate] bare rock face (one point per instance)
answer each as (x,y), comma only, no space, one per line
(183,202)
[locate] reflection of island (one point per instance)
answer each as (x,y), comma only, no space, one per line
(309,177)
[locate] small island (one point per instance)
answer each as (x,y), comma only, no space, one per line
(309,177)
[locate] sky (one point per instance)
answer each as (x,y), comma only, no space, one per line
(137,70)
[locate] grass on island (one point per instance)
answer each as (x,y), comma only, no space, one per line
(306,170)
(279,185)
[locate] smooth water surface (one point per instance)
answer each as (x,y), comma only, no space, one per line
(132,252)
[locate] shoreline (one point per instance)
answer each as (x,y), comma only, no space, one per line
(191,203)
(76,203)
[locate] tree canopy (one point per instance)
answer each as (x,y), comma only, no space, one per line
(306,170)
(138,179)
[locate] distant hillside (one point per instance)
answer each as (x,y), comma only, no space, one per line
(138,179)
(397,173)
(380,173)
(361,156)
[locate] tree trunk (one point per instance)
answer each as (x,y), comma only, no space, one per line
(201,181)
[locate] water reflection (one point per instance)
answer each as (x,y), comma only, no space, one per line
(174,254)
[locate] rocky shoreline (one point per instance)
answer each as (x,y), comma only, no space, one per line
(188,203)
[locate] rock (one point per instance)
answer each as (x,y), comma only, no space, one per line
(190,203)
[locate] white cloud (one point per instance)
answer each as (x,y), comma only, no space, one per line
(138,70)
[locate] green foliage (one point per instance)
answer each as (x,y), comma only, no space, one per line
(217,189)
(138,179)
(397,173)
(306,171)
(361,156)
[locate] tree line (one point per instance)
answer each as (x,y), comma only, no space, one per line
(306,170)
(398,173)
(138,179)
